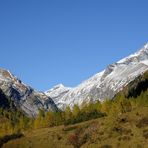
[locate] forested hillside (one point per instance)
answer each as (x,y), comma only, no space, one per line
(123,119)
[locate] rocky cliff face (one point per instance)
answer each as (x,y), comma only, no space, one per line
(104,84)
(23,96)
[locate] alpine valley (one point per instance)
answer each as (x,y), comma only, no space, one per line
(109,110)
(105,84)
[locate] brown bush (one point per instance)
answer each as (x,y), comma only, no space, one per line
(122,130)
(106,146)
(78,138)
(145,134)
(73,139)
(142,122)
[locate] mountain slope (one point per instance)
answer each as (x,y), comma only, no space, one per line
(23,96)
(125,124)
(102,85)
(106,83)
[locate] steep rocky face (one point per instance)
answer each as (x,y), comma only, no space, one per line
(24,97)
(106,83)
(4,102)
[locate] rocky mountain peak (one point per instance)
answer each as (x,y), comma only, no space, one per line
(106,83)
(59,86)
(57,92)
(138,56)
(142,53)
(24,97)
(146,46)
(6,75)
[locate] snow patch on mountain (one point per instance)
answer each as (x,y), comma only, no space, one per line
(106,83)
(57,92)
(145,62)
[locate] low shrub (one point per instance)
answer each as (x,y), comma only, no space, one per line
(7,138)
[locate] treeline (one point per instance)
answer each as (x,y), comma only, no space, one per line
(69,116)
(124,101)
(15,122)
(119,105)
(10,116)
(10,121)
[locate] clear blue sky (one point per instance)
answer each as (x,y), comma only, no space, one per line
(46,42)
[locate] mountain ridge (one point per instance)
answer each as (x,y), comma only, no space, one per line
(106,83)
(24,96)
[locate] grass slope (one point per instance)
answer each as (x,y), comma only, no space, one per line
(127,130)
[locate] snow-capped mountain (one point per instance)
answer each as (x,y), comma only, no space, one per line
(57,92)
(104,84)
(100,86)
(24,97)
